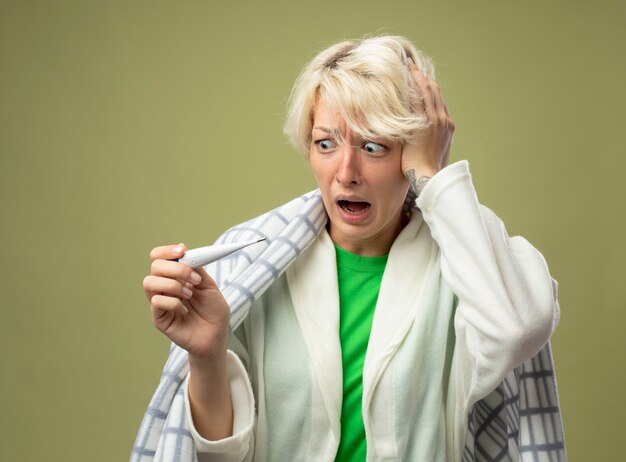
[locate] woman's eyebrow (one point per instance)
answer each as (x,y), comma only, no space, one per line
(324,129)
(334,132)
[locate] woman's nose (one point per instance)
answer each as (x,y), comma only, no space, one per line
(348,169)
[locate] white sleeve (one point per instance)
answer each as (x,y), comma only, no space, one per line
(239,446)
(507,306)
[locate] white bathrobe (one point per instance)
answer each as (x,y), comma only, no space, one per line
(461,305)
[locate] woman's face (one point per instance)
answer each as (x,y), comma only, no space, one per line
(362,184)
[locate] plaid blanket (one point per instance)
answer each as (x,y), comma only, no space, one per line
(519,421)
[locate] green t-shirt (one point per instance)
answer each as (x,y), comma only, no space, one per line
(359,281)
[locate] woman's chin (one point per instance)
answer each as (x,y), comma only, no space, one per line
(353,233)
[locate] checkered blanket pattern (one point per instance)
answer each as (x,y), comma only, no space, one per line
(519,421)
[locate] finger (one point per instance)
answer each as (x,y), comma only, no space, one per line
(440,104)
(175,270)
(450,121)
(451,124)
(168,252)
(445,106)
(419,99)
(424,86)
(153,285)
(162,305)
(442,108)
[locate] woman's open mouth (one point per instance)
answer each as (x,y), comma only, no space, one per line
(353,211)
(354,208)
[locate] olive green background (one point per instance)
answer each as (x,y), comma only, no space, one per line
(129,124)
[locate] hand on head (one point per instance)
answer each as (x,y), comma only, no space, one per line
(428,151)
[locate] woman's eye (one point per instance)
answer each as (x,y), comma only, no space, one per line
(374,147)
(326,145)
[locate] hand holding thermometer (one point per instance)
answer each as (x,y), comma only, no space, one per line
(195,258)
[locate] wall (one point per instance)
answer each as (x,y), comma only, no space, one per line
(125,125)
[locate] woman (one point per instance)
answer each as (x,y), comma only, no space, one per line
(387,319)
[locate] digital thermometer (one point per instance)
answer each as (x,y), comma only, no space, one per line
(195,258)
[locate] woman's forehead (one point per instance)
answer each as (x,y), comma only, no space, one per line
(328,119)
(327,116)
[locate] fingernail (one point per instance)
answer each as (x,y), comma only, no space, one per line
(187,293)
(184,309)
(195,277)
(178,249)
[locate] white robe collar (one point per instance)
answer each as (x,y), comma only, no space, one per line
(315,295)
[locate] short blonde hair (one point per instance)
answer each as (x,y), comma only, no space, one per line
(367,82)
